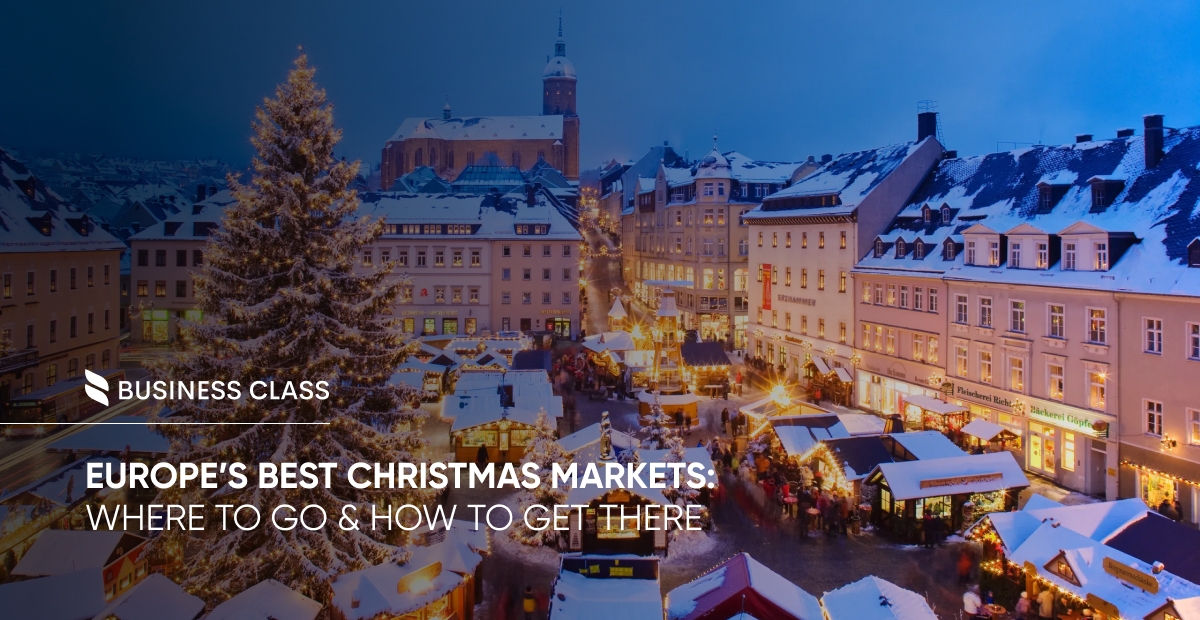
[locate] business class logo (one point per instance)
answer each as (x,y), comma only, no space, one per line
(96,388)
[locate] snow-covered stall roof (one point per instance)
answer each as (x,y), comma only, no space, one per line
(800,433)
(378,589)
(414,379)
(267,600)
(588,596)
(930,403)
(122,432)
(1155,206)
(482,128)
(1076,563)
(739,584)
(974,473)
(860,424)
(1098,521)
(925,445)
(155,598)
(983,429)
(648,397)
(476,399)
(872,598)
(609,341)
(617,311)
(65,551)
(70,596)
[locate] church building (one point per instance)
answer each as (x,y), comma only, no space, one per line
(450,143)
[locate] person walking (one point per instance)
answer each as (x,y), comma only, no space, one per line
(725,421)
(1045,601)
(1021,611)
(972,604)
(679,420)
(529,603)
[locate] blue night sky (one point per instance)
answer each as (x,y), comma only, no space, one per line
(776,80)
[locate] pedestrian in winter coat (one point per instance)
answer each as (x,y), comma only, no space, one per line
(679,420)
(481,457)
(725,421)
(1021,611)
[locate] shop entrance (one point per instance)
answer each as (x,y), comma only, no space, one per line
(560,326)
(154,326)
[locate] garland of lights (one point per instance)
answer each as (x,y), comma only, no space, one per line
(1164,474)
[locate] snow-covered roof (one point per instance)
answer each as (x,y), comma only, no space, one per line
(591,435)
(974,473)
(476,400)
(53,487)
(925,445)
(43,222)
(580,597)
(585,495)
(929,403)
(155,598)
(1099,521)
(800,433)
(849,177)
(376,589)
(872,598)
(757,589)
(69,596)
(1157,206)
(194,222)
(983,429)
(267,600)
(1085,559)
(559,66)
(609,341)
(65,551)
(618,309)
(858,424)
(120,432)
(482,128)
(488,216)
(648,397)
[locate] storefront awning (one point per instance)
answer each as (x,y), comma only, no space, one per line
(843,375)
(983,429)
(934,405)
(820,365)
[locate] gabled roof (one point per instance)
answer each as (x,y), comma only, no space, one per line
(850,176)
(69,596)
(1025,228)
(872,598)
(267,600)
(741,584)
(155,598)
(1081,228)
(65,551)
(975,473)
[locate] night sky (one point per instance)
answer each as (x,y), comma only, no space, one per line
(775,80)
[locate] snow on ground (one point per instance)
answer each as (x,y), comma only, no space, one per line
(1067,497)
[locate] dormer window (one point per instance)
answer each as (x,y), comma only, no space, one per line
(878,248)
(1014,256)
(945,215)
(994,253)
(901,248)
(1049,194)
(927,214)
(919,250)
(1194,253)
(1043,255)
(1105,190)
(1068,261)
(948,250)
(970,253)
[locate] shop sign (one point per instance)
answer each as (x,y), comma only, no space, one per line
(980,396)
(1086,422)
(1131,575)
(556,312)
(792,299)
(1102,606)
(932,483)
(766,280)
(429,313)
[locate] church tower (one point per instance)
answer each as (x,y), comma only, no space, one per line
(558,98)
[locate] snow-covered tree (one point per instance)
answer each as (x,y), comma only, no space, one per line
(544,450)
(658,427)
(283,300)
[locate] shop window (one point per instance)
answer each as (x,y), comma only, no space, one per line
(1068,451)
(1156,489)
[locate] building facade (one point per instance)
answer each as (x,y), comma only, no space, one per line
(449,144)
(804,243)
(59,287)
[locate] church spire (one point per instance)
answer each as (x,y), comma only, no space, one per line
(560,46)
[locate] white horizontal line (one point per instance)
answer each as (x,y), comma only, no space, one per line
(164,423)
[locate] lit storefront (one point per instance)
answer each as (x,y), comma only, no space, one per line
(503,440)
(884,383)
(1063,443)
(1156,476)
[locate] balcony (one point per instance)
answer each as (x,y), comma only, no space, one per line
(15,362)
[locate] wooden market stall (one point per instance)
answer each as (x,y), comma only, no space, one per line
(437,582)
(927,413)
(954,489)
(671,403)
(492,414)
(706,367)
(986,436)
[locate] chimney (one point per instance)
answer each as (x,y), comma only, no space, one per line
(1153,139)
(530,194)
(926,125)
(1125,133)
(212,190)
(201,193)
(1083,137)
(826,158)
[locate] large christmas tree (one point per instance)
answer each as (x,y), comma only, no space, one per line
(284,299)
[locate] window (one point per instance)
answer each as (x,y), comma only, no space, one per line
(527,250)
(160,288)
(1043,256)
(774,240)
(181,258)
(918,298)
(74,323)
(960,360)
(760,239)
(994,253)
(439,258)
(919,250)
(803,240)
(506,250)
(866,297)
(181,288)
(903,296)
(708,191)
(878,338)
(1153,339)
(1193,416)
(1154,418)
(774,275)
(841,332)
(1068,451)
(143,258)
(970,253)
(787,321)
(91,322)
(1017,314)
(933,350)
(546,297)
(1097,325)
(866,343)
(106,322)
(1193,341)
(720,247)
(51,374)
(985,311)
(73,279)
(1101,257)
(820,328)
(546,273)
(960,309)
(566,298)
(821,240)
(1058,321)
(1055,380)
(1068,261)
(933,300)
(421,258)
(527,274)
(708,278)
(787,240)
(29,340)
(53,280)
(774,318)
(843,246)
(891,341)
(30,283)
(891,294)
(787,277)
(53,331)
(743,247)
(1014,256)
(506,297)
(473,295)
(720,278)
(985,366)
(708,247)
(160,258)
(506,274)
(841,281)
(1016,374)
(918,347)
(566,274)
(526,298)
(546,251)
(820,279)
(143,288)
(878,294)
(1097,387)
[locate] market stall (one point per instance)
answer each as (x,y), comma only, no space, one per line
(872,598)
(983,435)
(927,413)
(706,367)
(435,583)
(685,403)
(954,490)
